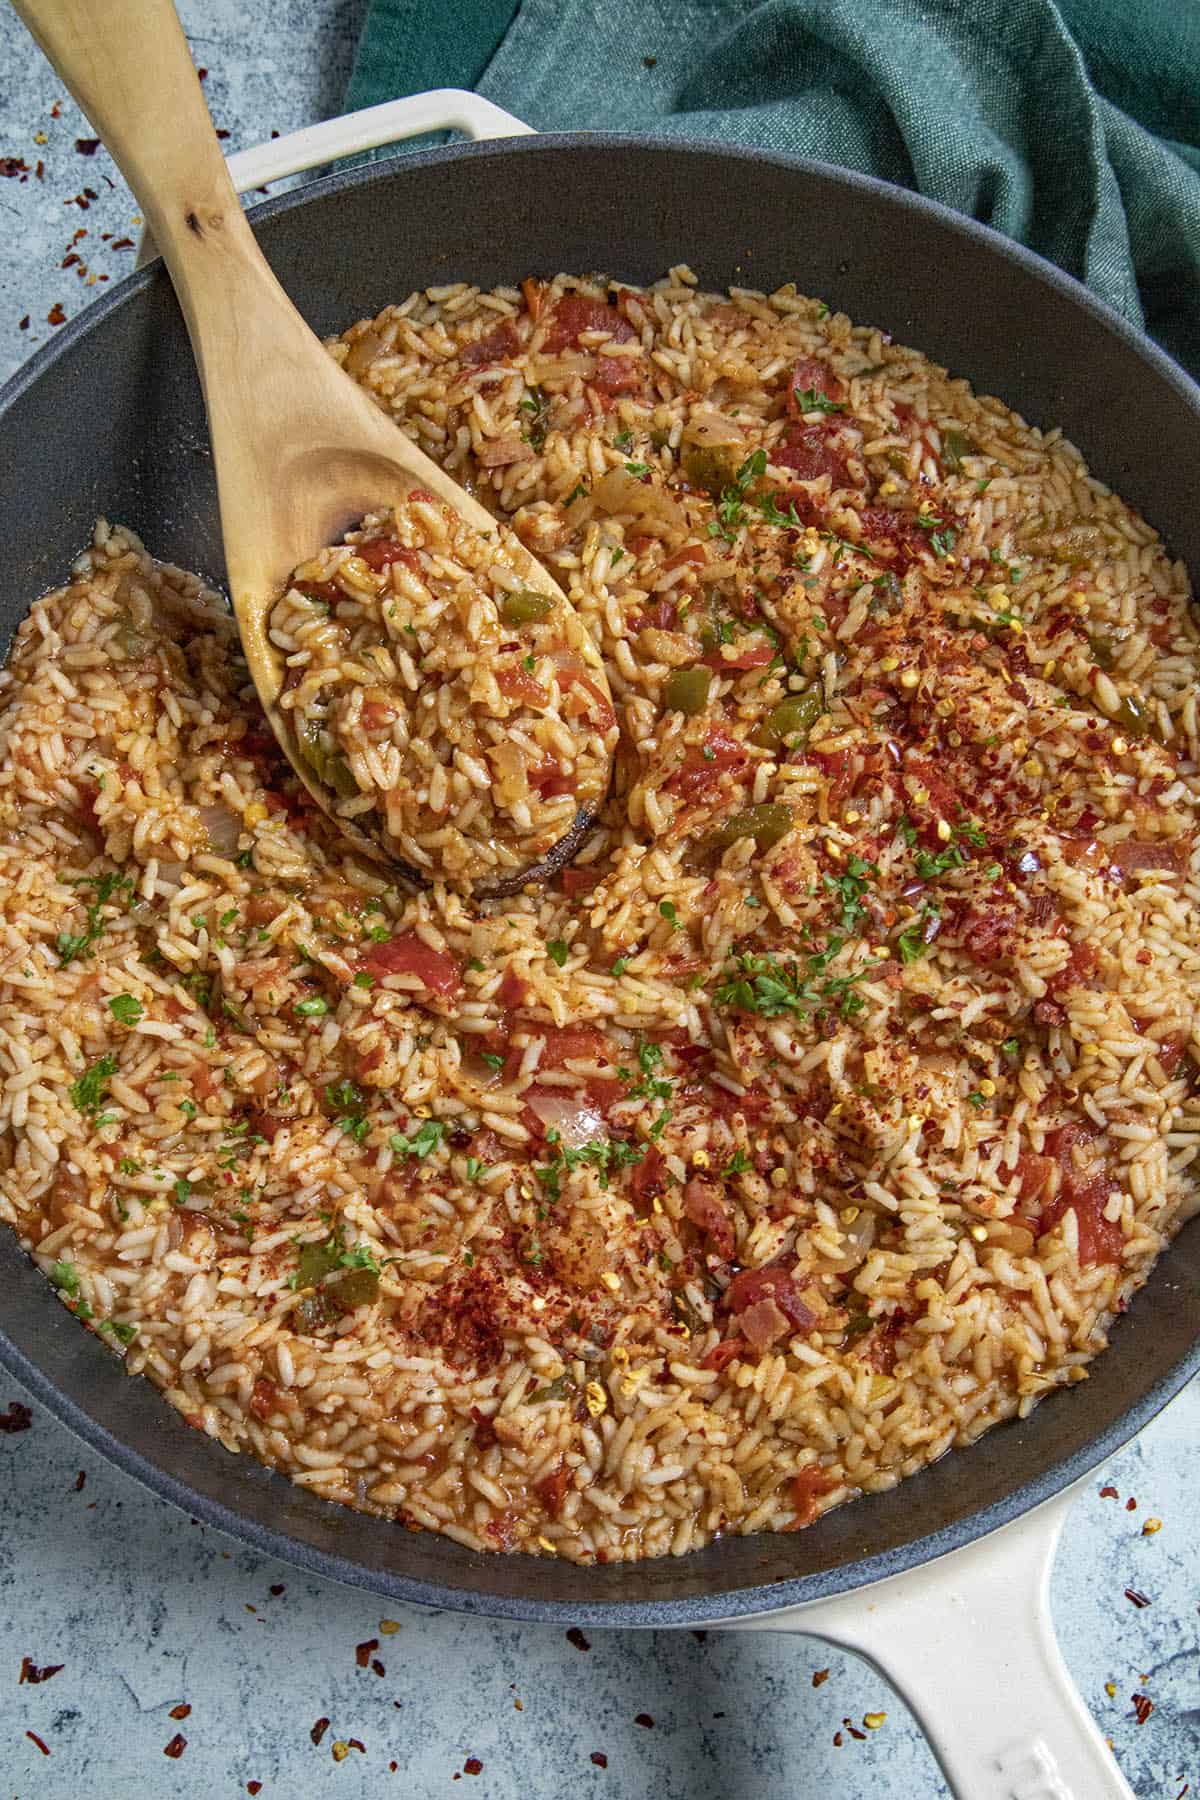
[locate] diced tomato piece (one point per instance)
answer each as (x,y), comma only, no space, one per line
(547,779)
(597,709)
(579,881)
(691,553)
(880,1348)
(573,1043)
(812,376)
(407,954)
(704,1205)
(648,1177)
(1034,1172)
(200,1077)
(838,769)
(370,1059)
(513,990)
(379,552)
(752,656)
(532,292)
(320,590)
(663,613)
(987,934)
(617,375)
(503,341)
(1169,1051)
(575,314)
(722,1354)
(1101,1240)
(264,1398)
(943,800)
(1130,855)
(808,451)
(552,1490)
(806,1488)
(1080,964)
(376,715)
(770,1283)
(700,771)
(516,683)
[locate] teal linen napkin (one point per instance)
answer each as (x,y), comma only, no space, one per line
(1074,128)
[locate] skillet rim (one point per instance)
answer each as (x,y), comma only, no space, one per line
(728,1603)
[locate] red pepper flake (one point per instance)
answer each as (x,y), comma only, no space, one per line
(599,1758)
(820,1677)
(10,166)
(276,1588)
(1139,1600)
(202,74)
(121,244)
(356,1744)
(23,324)
(1131,1504)
(87,146)
(318,1731)
(32,1674)
(254,1787)
(222,135)
(56,315)
(852,1728)
(377,1667)
(645,1720)
(17,1418)
(1143,1706)
(79,1481)
(41,1744)
(182,1711)
(364,1652)
(1109,1493)
(576,1637)
(472,1766)
(176,1747)
(393,1766)
(838,1740)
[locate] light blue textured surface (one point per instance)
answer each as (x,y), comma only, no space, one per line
(147,1611)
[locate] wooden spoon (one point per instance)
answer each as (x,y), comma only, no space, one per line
(301,452)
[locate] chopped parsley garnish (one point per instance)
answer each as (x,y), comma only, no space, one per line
(579,492)
(731,507)
(423,1141)
(637,468)
(312,1008)
(603,1154)
(345,1100)
(188,1108)
(943,542)
(911,946)
(125,1009)
(929,867)
(976,1100)
(907,830)
(89,1093)
(105,888)
(812,400)
(183,1191)
(536,407)
(620,966)
(127,1166)
(850,889)
(760,984)
(475,965)
(65,1277)
(623,440)
(670,914)
(652,1086)
(476,1170)
(738,1164)
(557,951)
(492,1060)
(973,835)
(363,980)
(124,1334)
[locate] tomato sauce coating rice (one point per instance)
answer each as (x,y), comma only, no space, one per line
(820,1116)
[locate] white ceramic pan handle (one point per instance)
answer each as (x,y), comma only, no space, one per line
(968,1641)
(443,109)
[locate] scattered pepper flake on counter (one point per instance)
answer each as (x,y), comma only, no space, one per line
(254,1787)
(56,315)
(33,1675)
(1139,1600)
(176,1747)
(1151,1526)
(645,1721)
(276,1588)
(472,1766)
(318,1731)
(87,146)
(182,1711)
(1110,1688)
(1143,1706)
(576,1637)
(363,1652)
(599,1758)
(1109,1493)
(17,1418)
(873,1721)
(1131,1504)
(40,1742)
(79,1480)
(389,1627)
(820,1676)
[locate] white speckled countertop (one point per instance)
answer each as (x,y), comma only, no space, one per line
(167,1634)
